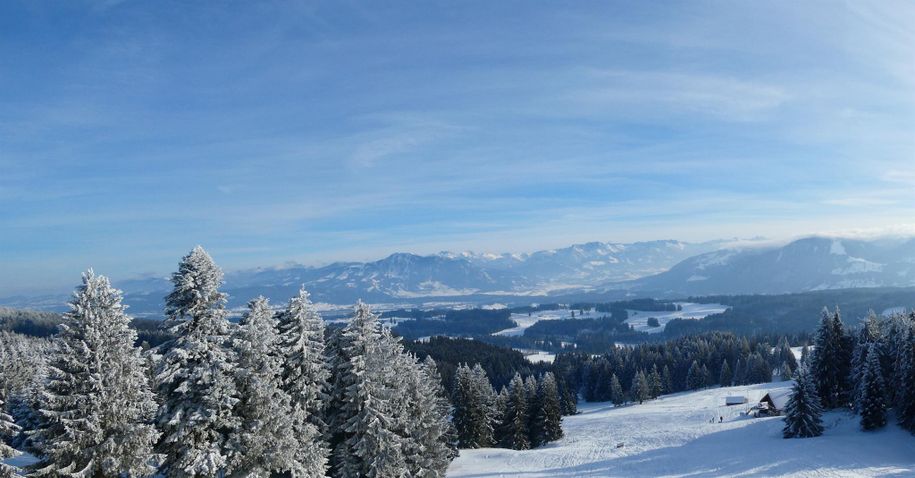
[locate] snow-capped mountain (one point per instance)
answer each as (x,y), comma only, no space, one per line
(813,263)
(588,271)
(406,277)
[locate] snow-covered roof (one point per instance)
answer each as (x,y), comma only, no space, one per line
(779,398)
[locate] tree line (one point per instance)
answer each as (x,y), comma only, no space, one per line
(868,371)
(268,396)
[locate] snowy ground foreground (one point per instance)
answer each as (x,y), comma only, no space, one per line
(673,437)
(524,321)
(638,319)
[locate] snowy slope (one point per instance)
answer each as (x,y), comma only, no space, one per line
(675,436)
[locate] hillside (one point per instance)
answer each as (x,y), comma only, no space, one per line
(814,263)
(675,436)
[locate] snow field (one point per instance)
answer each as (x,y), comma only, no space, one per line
(679,435)
(638,319)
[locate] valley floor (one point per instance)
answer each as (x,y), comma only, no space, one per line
(679,435)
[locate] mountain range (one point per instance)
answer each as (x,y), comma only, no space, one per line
(594,270)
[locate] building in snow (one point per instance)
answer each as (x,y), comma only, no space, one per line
(735,400)
(773,402)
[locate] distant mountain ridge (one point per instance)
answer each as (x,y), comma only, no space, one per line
(405,277)
(589,271)
(813,263)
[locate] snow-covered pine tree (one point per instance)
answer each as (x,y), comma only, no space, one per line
(475,407)
(267,439)
(369,445)
(548,422)
(787,373)
(694,378)
(905,395)
(195,376)
(726,376)
(531,388)
(438,418)
(421,415)
(803,411)
(488,413)
(8,431)
(516,420)
(667,380)
(831,361)
(640,389)
(616,391)
(97,405)
(305,374)
(654,380)
(873,392)
(785,355)
(868,335)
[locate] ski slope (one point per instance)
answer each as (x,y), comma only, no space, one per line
(679,436)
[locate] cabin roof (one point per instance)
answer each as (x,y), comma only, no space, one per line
(779,398)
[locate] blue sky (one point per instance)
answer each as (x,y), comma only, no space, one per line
(316,131)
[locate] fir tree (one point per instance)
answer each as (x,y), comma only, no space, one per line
(667,380)
(831,361)
(368,446)
(640,389)
(548,423)
(694,378)
(516,420)
(305,372)
(868,335)
(803,410)
(97,404)
(654,380)
(616,391)
(475,412)
(439,438)
(197,417)
(725,377)
(267,438)
(906,372)
(873,392)
(8,431)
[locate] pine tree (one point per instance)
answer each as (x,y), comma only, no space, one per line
(516,420)
(368,446)
(267,437)
(694,378)
(97,404)
(803,410)
(549,416)
(436,436)
(725,377)
(305,372)
(475,412)
(906,372)
(616,391)
(873,392)
(830,363)
(787,373)
(868,335)
(197,417)
(667,380)
(8,431)
(654,380)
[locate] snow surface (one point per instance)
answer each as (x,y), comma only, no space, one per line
(524,321)
(679,435)
(537,356)
(638,319)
